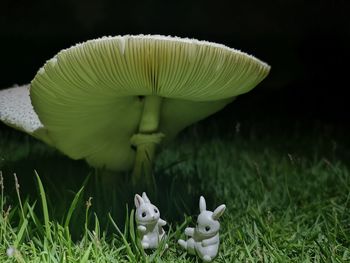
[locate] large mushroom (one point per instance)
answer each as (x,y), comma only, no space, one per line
(111,100)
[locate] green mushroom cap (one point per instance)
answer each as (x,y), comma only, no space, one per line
(91,98)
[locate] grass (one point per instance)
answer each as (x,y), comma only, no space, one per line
(287,192)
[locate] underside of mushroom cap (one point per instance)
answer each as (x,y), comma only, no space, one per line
(90,97)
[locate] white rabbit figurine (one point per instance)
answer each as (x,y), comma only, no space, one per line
(204,239)
(149,223)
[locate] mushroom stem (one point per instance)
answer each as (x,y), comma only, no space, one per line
(150,116)
(142,173)
(146,140)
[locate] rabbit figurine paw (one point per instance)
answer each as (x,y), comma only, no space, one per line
(148,221)
(204,238)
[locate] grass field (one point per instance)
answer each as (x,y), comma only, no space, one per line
(287,192)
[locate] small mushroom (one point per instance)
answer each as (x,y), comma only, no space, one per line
(112,100)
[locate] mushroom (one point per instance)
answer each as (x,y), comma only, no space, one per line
(17,111)
(111,100)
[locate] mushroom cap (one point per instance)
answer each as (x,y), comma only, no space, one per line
(17,111)
(88,96)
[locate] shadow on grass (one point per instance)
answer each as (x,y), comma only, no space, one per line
(111,192)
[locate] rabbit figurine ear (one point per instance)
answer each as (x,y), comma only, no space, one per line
(145,198)
(138,201)
(202,204)
(218,212)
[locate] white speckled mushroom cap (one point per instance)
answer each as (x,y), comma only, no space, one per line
(87,96)
(17,111)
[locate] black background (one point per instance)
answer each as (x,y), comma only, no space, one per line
(305,42)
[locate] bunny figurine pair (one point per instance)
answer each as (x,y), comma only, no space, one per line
(204,238)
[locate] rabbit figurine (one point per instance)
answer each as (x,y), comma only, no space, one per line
(148,221)
(204,239)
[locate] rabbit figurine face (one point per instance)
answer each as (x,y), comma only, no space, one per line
(149,224)
(146,213)
(204,238)
(206,226)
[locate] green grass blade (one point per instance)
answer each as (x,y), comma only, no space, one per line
(44,207)
(127,245)
(34,217)
(132,226)
(127,218)
(86,254)
(20,234)
(97,228)
(72,207)
(133,236)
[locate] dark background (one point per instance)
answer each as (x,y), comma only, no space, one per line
(305,42)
